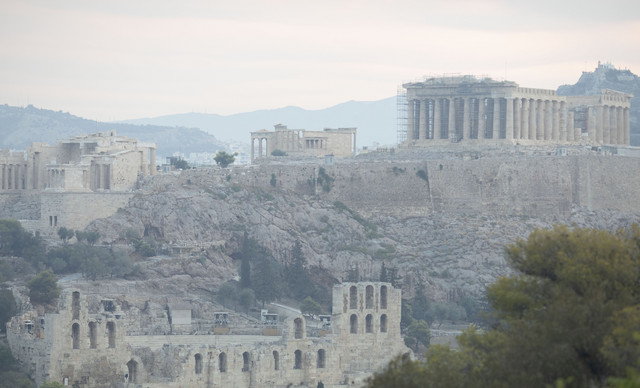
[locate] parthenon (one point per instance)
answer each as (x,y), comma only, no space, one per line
(476,109)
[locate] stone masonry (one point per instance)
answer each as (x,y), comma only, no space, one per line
(93,341)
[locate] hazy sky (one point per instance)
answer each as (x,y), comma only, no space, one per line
(121,59)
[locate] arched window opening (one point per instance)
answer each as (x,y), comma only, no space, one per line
(297,363)
(245,361)
(354,324)
(276,360)
(383,323)
(369,323)
(222,362)
(111,332)
(93,335)
(75,334)
(132,368)
(298,328)
(369,297)
(353,297)
(383,297)
(198,359)
(321,359)
(75,305)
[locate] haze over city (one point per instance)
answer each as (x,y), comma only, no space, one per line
(119,60)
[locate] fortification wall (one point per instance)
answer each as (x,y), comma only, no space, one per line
(77,210)
(522,185)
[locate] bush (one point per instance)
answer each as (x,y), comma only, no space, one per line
(43,288)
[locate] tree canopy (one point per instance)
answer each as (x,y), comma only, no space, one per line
(570,317)
(223,159)
(43,288)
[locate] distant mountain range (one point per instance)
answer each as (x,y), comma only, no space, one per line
(19,127)
(375,121)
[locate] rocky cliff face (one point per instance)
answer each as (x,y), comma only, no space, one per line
(207,212)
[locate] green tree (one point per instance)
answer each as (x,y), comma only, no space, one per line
(569,317)
(224,159)
(310,306)
(179,163)
(246,298)
(43,287)
(65,234)
(297,275)
(51,384)
(418,333)
(277,152)
(8,308)
(265,278)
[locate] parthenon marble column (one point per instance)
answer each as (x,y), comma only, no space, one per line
(410,119)
(542,131)
(599,124)
(517,122)
(437,107)
(524,127)
(613,131)
(591,124)
(509,119)
(496,118)
(422,129)
(626,126)
(452,117)
(620,135)
(555,132)
(466,127)
(606,129)
(482,123)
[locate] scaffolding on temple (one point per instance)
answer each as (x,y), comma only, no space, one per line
(401,118)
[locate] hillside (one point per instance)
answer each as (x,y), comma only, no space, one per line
(19,127)
(608,77)
(375,120)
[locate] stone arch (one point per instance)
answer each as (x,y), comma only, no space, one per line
(246,361)
(369,297)
(353,320)
(75,335)
(298,328)
(383,323)
(368,323)
(132,371)
(276,360)
(222,362)
(198,361)
(75,305)
(297,359)
(93,335)
(353,297)
(321,360)
(111,333)
(383,297)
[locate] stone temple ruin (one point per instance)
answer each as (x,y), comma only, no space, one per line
(475,110)
(76,180)
(91,341)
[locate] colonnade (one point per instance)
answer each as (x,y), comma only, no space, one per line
(14,176)
(100,176)
(481,117)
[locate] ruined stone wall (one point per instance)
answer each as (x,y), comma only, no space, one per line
(124,173)
(523,185)
(86,343)
(77,210)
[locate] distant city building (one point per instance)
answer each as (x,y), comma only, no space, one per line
(340,142)
(474,110)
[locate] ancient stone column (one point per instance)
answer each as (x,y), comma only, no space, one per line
(466,127)
(482,122)
(4,177)
(565,134)
(517,120)
(533,125)
(626,127)
(571,131)
(152,161)
(260,148)
(422,129)
(410,119)
(591,125)
(496,118)
(620,135)
(555,131)
(606,129)
(524,118)
(452,117)
(542,130)
(509,119)
(613,133)
(437,107)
